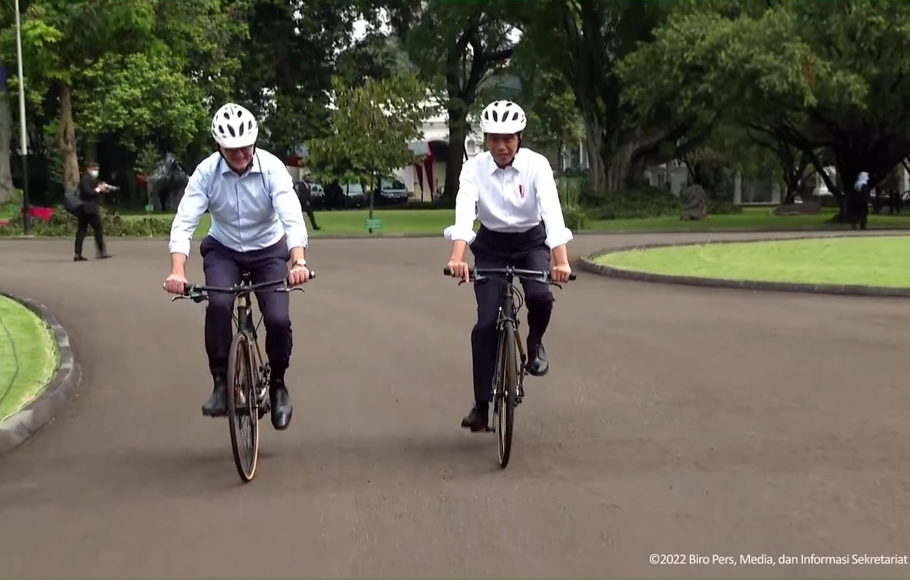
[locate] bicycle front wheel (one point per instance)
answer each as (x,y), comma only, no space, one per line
(507,392)
(243,415)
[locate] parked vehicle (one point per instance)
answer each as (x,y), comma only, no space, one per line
(390,192)
(349,195)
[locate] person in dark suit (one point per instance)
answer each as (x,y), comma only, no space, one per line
(857,201)
(306,201)
(90,190)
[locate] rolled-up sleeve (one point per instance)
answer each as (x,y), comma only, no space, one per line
(287,206)
(465,208)
(189,212)
(550,209)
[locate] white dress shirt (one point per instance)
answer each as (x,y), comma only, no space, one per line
(249,212)
(514,199)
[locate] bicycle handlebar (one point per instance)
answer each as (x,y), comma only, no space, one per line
(482,273)
(198,292)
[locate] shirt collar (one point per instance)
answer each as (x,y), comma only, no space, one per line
(519,163)
(254,168)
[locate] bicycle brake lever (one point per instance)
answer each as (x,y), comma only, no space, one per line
(179,298)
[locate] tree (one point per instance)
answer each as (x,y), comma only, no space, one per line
(376,56)
(456,46)
(586,41)
(372,126)
(288,62)
(801,72)
(554,121)
(63,38)
(131,68)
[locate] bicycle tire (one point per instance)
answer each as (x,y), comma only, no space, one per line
(246,457)
(507,394)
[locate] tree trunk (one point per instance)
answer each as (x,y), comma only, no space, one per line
(66,138)
(6,137)
(594,147)
(458,132)
(618,164)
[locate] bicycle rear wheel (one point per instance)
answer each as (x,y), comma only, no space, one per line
(504,406)
(243,414)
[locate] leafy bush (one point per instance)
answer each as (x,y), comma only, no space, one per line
(720,203)
(63,224)
(643,202)
(574,215)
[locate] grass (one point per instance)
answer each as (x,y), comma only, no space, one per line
(868,261)
(28,356)
(755,218)
(397,221)
(353,222)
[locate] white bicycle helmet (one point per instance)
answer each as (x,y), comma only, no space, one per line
(234,126)
(503,118)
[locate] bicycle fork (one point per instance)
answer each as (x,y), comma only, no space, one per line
(522,361)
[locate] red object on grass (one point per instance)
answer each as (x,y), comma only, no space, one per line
(42,213)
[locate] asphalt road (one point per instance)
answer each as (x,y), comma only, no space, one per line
(675,421)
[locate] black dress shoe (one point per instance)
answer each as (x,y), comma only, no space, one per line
(476,420)
(216,405)
(538,365)
(282,409)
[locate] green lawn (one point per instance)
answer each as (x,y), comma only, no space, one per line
(435,221)
(28,356)
(871,261)
(353,222)
(756,218)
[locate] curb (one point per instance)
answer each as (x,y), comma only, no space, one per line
(588,264)
(22,425)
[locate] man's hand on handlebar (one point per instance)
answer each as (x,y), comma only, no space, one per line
(459,269)
(175,284)
(560,272)
(298,275)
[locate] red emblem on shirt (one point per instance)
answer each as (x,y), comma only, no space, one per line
(521,191)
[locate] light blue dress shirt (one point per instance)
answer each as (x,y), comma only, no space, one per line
(249,212)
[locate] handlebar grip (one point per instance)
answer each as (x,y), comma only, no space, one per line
(312,274)
(446,271)
(571,276)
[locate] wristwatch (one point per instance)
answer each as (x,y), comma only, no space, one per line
(300,262)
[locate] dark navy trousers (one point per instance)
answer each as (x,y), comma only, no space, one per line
(224,267)
(526,250)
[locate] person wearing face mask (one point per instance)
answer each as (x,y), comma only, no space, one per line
(90,190)
(511,190)
(257,226)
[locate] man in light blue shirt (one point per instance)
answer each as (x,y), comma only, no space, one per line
(250,196)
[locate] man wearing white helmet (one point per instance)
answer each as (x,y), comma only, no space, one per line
(512,192)
(251,198)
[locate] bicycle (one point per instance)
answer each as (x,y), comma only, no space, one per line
(248,395)
(508,379)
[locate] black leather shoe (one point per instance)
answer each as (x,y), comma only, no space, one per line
(79,259)
(538,365)
(477,420)
(282,409)
(216,406)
